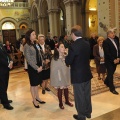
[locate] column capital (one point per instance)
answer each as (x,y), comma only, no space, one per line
(54,11)
(70,1)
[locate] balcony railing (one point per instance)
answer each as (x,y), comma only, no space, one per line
(14,5)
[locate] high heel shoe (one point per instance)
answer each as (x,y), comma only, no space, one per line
(36,106)
(41,102)
(61,106)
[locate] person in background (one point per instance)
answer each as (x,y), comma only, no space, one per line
(46,54)
(78,59)
(49,41)
(60,75)
(92,41)
(34,60)
(22,50)
(5,65)
(98,54)
(112,58)
(55,39)
(11,49)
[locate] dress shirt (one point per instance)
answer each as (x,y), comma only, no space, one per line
(112,40)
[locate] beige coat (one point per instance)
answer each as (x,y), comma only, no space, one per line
(60,74)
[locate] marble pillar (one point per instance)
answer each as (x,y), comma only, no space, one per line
(71,14)
(54,21)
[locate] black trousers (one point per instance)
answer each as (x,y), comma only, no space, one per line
(4,78)
(82,95)
(110,72)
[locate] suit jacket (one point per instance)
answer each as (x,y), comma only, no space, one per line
(96,54)
(31,56)
(110,50)
(4,60)
(78,59)
(51,43)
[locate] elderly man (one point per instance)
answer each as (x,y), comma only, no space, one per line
(80,73)
(5,66)
(112,58)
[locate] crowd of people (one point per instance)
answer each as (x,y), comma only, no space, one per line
(63,62)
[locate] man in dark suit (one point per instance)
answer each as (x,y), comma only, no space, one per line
(49,41)
(78,59)
(112,58)
(5,66)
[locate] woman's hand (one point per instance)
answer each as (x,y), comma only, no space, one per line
(39,69)
(47,61)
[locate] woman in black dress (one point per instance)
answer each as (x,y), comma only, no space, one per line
(34,60)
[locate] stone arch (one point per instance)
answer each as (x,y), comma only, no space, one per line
(34,17)
(61,6)
(23,31)
(11,20)
(8,19)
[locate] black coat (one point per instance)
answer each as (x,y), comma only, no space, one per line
(78,59)
(110,50)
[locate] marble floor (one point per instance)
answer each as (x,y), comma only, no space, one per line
(106,106)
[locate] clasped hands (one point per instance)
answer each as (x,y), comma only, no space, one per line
(116,60)
(39,69)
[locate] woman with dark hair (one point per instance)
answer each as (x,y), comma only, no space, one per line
(34,60)
(60,74)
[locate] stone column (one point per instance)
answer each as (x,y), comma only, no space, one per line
(54,21)
(40,24)
(86,32)
(75,13)
(71,14)
(43,24)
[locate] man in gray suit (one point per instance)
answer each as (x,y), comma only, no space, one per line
(78,58)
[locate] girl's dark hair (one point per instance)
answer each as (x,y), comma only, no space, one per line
(27,36)
(56,53)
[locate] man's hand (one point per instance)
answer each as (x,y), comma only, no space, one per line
(10,64)
(116,61)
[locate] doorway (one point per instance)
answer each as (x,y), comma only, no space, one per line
(9,35)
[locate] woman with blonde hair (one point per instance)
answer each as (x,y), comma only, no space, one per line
(46,55)
(99,58)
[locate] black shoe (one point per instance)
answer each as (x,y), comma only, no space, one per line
(75,116)
(88,116)
(41,102)
(47,89)
(43,91)
(8,107)
(36,106)
(10,101)
(114,92)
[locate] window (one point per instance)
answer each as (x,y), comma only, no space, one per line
(8,25)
